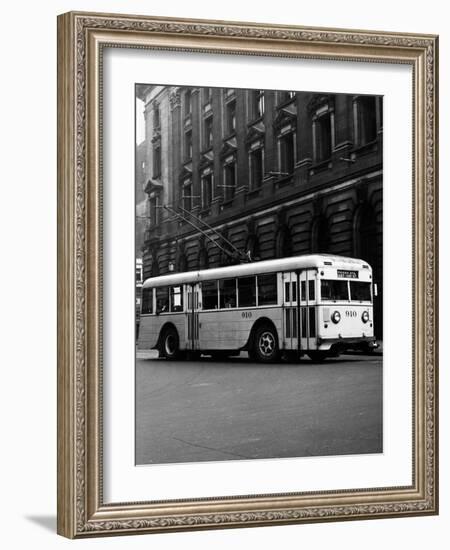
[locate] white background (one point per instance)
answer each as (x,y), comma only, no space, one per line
(126,483)
(28,297)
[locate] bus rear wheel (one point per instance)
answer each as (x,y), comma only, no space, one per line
(170,344)
(265,345)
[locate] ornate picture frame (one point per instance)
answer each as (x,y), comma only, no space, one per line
(82,38)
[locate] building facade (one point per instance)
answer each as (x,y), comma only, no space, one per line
(142,221)
(275,173)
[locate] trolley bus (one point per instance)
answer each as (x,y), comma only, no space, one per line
(319,305)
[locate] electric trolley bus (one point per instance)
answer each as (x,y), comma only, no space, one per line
(319,305)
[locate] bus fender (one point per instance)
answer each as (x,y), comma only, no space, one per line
(259,322)
(162,331)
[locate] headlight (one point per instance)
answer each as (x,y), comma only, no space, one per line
(336,317)
(365,316)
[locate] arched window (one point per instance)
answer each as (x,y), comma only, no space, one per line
(320,235)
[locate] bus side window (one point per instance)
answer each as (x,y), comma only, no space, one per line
(162,300)
(227,289)
(176,299)
(311,293)
(147,301)
(303,290)
(247,291)
(209,295)
(267,290)
(287,291)
(290,291)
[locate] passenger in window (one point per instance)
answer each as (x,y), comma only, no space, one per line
(161,307)
(230,302)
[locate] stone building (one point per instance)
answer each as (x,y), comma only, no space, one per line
(142,221)
(275,173)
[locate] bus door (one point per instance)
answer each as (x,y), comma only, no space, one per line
(290,313)
(192,321)
(308,296)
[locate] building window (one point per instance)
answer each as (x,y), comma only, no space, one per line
(187,195)
(139,272)
(366,120)
(157,161)
(187,103)
(287,153)
(188,145)
(230,180)
(230,117)
(323,137)
(256,106)
(156,117)
(154,209)
(207,94)
(206,190)
(256,163)
(208,132)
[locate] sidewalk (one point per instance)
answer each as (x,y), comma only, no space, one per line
(147,354)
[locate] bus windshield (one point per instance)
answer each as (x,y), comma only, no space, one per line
(331,289)
(360,291)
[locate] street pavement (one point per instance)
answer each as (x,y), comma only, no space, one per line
(205,410)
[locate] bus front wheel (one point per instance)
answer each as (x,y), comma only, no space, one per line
(170,344)
(265,345)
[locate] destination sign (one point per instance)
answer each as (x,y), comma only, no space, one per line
(347,274)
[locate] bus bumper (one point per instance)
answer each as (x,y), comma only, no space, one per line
(338,345)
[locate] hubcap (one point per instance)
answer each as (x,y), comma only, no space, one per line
(170,344)
(266,343)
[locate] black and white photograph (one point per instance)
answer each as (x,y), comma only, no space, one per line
(259,274)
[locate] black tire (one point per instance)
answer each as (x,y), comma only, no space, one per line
(265,345)
(170,344)
(317,356)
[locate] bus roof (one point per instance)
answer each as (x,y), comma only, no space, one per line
(291,263)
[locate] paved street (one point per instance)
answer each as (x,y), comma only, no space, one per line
(207,410)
